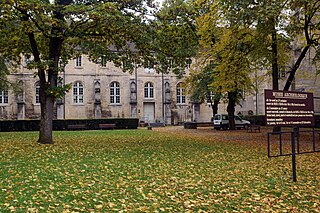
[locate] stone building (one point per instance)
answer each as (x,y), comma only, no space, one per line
(105,91)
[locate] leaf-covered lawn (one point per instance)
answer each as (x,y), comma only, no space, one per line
(152,171)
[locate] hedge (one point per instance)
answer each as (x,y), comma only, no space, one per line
(91,124)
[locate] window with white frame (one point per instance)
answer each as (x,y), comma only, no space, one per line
(77,93)
(79,61)
(181,98)
(148,90)
(4,98)
(37,93)
(115,93)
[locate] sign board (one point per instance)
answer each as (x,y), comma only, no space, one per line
(288,108)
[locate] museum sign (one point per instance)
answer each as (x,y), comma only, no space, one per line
(287,108)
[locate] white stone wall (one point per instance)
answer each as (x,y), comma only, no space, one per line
(89,73)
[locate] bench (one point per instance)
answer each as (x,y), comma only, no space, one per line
(107,126)
(76,126)
(253,127)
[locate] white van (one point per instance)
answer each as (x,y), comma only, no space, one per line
(222,121)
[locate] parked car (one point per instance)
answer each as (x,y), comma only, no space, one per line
(221,121)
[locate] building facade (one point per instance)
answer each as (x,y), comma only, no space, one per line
(105,91)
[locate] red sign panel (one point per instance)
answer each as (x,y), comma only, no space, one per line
(287,108)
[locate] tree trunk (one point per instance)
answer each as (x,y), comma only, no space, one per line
(215,106)
(48,78)
(231,108)
(275,67)
(45,133)
(295,68)
(47,100)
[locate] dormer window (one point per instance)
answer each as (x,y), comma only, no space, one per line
(78,61)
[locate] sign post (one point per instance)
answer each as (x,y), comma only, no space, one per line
(291,109)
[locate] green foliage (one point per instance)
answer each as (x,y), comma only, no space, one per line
(57,31)
(199,83)
(96,28)
(226,43)
(58,92)
(5,68)
(233,69)
(146,171)
(174,39)
(278,28)
(3,74)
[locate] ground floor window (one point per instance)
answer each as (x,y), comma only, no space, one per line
(115,93)
(181,98)
(77,93)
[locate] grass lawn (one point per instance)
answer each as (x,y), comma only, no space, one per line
(152,171)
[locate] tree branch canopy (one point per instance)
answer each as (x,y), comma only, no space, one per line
(54,31)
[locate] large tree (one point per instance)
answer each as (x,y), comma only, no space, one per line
(56,31)
(228,44)
(286,30)
(303,30)
(174,36)
(282,33)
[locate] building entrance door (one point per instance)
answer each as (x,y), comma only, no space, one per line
(148,112)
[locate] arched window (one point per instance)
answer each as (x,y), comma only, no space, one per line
(4,98)
(115,93)
(77,93)
(37,92)
(181,98)
(148,90)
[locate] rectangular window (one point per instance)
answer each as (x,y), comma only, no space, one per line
(151,92)
(4,98)
(115,93)
(146,95)
(79,61)
(37,93)
(148,90)
(181,98)
(78,93)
